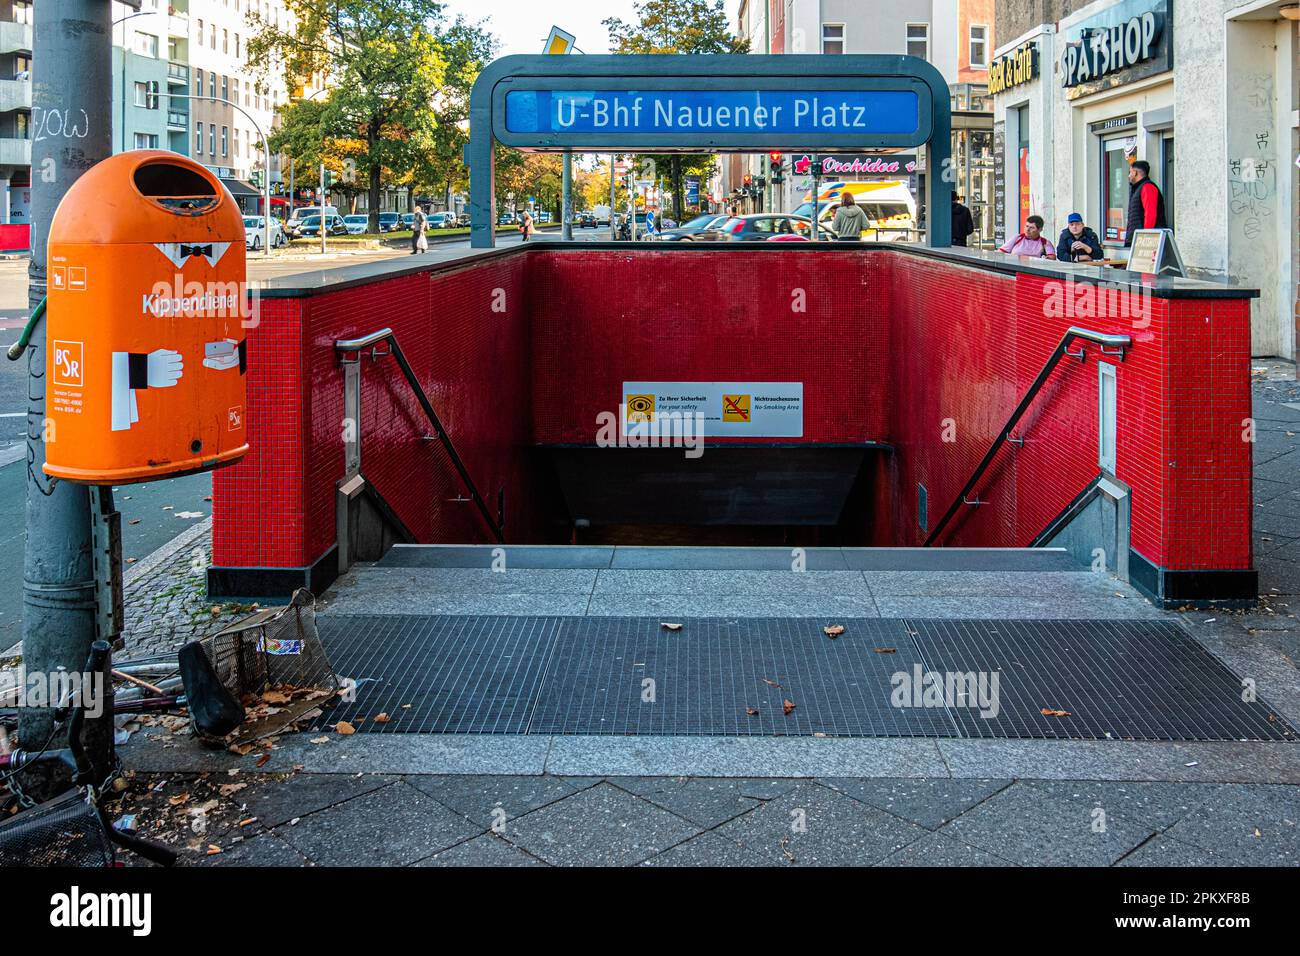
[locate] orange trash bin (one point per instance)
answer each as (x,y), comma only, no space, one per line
(146,319)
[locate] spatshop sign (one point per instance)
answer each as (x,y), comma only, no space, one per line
(1124,39)
(896,165)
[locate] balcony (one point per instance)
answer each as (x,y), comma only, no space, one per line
(15,37)
(178,74)
(178,121)
(178,26)
(15,152)
(15,95)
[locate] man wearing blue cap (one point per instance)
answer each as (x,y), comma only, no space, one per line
(1078,243)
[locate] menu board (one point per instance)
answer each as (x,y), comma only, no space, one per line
(999,183)
(1154,252)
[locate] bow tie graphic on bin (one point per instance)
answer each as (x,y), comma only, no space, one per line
(146,352)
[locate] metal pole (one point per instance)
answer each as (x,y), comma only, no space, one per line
(73,75)
(566,206)
(612,194)
(321,204)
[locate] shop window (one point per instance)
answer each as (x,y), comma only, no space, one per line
(918,40)
(832,38)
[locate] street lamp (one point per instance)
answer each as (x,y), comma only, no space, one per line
(266,150)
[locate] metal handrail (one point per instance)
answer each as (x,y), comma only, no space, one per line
(1110,345)
(345,347)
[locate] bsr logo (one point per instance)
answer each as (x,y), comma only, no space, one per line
(68,363)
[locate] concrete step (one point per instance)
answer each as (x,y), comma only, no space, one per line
(724,559)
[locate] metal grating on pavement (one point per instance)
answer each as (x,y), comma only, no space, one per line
(439,674)
(707,676)
(1124,680)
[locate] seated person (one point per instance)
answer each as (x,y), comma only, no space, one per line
(1078,243)
(1030,242)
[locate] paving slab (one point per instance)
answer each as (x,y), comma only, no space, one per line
(745,757)
(1159,805)
(1247,825)
(702,800)
(759,584)
(709,849)
(928,803)
(265,850)
(814,825)
(492,800)
(951,584)
(392,826)
(1162,850)
(1024,607)
(937,849)
(1030,828)
(726,559)
(415,583)
(275,801)
(599,826)
(485,556)
(486,850)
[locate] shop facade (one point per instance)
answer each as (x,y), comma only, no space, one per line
(1202,90)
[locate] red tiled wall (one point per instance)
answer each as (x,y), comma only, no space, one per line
(604,318)
(888,347)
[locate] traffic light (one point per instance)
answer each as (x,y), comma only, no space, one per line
(748,179)
(776,167)
(331,178)
(256,178)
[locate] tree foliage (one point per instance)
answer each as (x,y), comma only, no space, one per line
(383,62)
(678,26)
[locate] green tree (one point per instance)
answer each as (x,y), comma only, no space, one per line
(678,26)
(466,49)
(383,64)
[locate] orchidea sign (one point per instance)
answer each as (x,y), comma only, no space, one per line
(671,113)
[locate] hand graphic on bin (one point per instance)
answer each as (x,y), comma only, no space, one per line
(161,368)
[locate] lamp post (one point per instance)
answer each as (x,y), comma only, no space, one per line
(266,151)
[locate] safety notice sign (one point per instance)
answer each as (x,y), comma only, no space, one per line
(725,409)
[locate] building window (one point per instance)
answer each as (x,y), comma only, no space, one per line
(918,40)
(212,86)
(22,67)
(832,38)
(21,121)
(146,140)
(198,82)
(212,138)
(225,87)
(235,144)
(146,95)
(198,139)
(979,46)
(212,36)
(1117,155)
(200,33)
(225,41)
(225,141)
(22,12)
(236,46)
(146,44)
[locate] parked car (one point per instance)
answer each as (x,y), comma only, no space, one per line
(408,220)
(506,219)
(442,220)
(705,228)
(356,224)
(389,222)
(293,228)
(253,232)
(543,216)
(334,226)
(758,227)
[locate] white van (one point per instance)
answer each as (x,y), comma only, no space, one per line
(890,208)
(294,226)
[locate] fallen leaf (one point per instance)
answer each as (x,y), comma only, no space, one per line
(1048,712)
(381,718)
(752,711)
(819,734)
(670,627)
(833,630)
(262,760)
(770,683)
(134,521)
(319,740)
(345,728)
(276,697)
(228,788)
(886,650)
(788,707)
(177,800)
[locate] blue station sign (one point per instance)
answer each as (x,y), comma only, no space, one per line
(670,113)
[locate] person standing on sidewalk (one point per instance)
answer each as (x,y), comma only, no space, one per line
(419,224)
(526,225)
(849,219)
(1146,204)
(963,224)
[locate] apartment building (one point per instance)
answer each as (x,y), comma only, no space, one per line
(150,48)
(15,122)
(957,36)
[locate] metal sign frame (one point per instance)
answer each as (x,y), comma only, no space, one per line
(720,72)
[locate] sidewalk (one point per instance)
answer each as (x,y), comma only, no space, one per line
(417,799)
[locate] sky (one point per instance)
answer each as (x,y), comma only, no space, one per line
(522,25)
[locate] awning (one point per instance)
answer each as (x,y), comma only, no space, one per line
(239,188)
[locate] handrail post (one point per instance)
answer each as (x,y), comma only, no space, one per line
(1110,345)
